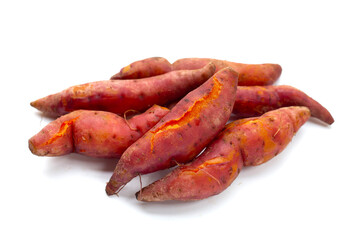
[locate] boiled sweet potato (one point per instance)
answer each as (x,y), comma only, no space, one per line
(120,96)
(256,100)
(144,68)
(182,133)
(249,74)
(250,141)
(93,133)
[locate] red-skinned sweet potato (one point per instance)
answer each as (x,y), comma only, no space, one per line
(256,100)
(249,74)
(120,96)
(182,133)
(93,133)
(144,68)
(250,141)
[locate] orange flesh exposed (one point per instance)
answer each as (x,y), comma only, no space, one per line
(193,112)
(210,162)
(269,144)
(126,69)
(63,128)
(80,90)
(215,161)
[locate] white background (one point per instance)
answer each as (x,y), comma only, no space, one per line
(309,191)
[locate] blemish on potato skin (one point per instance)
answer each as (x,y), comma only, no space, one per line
(223,179)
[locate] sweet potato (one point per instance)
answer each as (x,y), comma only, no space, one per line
(120,96)
(182,133)
(93,133)
(256,100)
(249,74)
(144,68)
(250,141)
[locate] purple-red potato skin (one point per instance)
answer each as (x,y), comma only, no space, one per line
(256,100)
(247,142)
(144,68)
(93,133)
(119,96)
(266,136)
(182,133)
(249,74)
(209,174)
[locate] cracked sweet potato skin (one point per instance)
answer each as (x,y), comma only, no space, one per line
(182,133)
(120,96)
(209,174)
(148,67)
(247,142)
(249,74)
(93,133)
(256,100)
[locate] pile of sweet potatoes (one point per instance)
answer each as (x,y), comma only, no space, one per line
(207,117)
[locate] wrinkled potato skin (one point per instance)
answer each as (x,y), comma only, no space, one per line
(182,133)
(93,133)
(247,142)
(148,67)
(249,74)
(119,96)
(256,100)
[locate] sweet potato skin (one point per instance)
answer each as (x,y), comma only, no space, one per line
(93,133)
(249,74)
(145,68)
(264,137)
(182,133)
(256,100)
(209,174)
(120,96)
(250,141)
